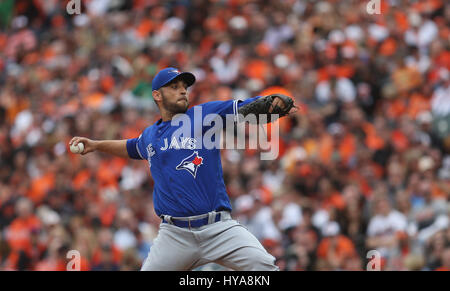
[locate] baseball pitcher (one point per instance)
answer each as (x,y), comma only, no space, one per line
(189,192)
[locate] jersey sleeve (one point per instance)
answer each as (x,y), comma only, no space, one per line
(224,108)
(136,148)
(246,101)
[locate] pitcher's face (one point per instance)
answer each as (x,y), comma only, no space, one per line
(175,97)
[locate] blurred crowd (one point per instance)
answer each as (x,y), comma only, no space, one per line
(364,164)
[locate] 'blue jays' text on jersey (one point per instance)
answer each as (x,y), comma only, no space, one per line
(188,180)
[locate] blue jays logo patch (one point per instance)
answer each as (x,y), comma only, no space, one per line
(191,163)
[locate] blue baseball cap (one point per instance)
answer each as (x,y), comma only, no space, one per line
(166,75)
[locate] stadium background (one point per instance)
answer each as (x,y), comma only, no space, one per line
(363,165)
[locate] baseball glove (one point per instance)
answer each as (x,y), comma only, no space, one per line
(265,106)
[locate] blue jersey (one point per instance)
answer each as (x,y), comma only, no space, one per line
(188,179)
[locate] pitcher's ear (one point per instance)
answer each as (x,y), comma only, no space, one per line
(156,94)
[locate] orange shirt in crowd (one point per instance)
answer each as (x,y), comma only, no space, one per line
(50,265)
(334,200)
(347,148)
(257,69)
(60,265)
(344,247)
(18,234)
(40,186)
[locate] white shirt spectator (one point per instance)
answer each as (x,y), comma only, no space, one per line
(386,225)
(378,32)
(422,64)
(320,218)
(125,239)
(292,216)
(262,226)
(354,32)
(132,178)
(345,90)
(273,180)
(276,35)
(225,71)
(423,36)
(440,101)
(98,7)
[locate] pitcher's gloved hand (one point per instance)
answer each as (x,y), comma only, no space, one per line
(269,105)
(280,104)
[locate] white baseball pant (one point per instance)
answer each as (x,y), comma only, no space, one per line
(227,243)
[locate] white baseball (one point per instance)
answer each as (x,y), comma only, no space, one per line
(79,148)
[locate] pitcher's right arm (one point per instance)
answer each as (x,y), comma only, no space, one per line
(113,147)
